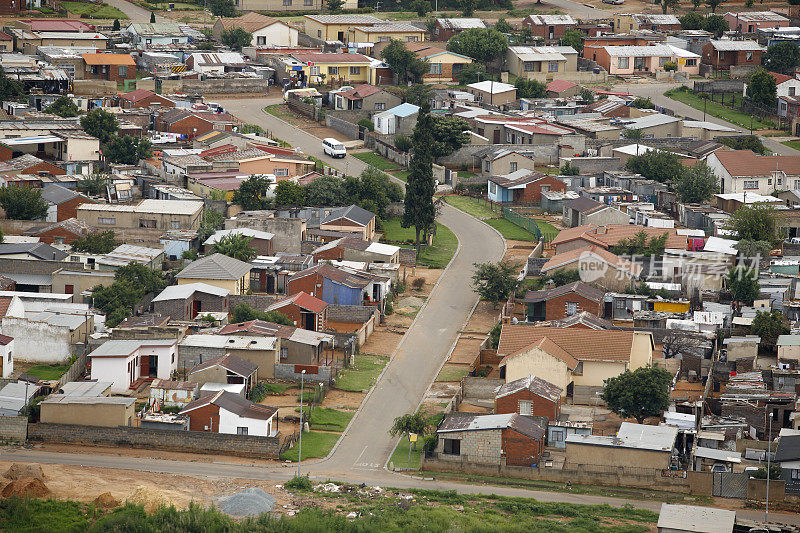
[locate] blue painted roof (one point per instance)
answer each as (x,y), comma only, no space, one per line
(404,110)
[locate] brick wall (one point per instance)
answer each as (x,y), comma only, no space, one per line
(520,449)
(14,428)
(351,313)
(539,406)
(325,374)
(556,308)
(191,356)
(480,388)
(183,309)
(256,301)
(164,439)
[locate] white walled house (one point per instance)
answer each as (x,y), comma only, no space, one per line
(229,413)
(122,362)
(742,171)
(6,355)
(266,31)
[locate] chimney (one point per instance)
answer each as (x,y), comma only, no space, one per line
(601,230)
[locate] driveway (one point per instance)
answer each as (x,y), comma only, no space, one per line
(134,12)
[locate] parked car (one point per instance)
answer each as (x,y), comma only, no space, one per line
(615,2)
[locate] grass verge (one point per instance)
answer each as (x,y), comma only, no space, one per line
(93,11)
(363,374)
(435,256)
(315,444)
(452,372)
(400,455)
(48,372)
(740,118)
(330,419)
(471,206)
(792,144)
(511,231)
(377,161)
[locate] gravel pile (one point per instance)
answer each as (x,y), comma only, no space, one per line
(251,501)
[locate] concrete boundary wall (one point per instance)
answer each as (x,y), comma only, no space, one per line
(14,428)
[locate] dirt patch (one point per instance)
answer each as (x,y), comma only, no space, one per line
(471,408)
(149,498)
(430,275)
(466,350)
(382,341)
(397,320)
(483,318)
(24,470)
(517,252)
(106,501)
(279,400)
(27,487)
(339,399)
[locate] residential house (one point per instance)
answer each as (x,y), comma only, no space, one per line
(63,202)
(493,92)
(28,42)
(170,393)
(340,285)
(503,439)
(522,186)
(64,232)
(32,251)
(228,369)
(724,54)
(752,21)
(144,35)
(550,28)
(445,65)
(562,89)
(529,396)
(190,301)
(228,413)
(366,97)
(742,171)
(147,214)
(109,67)
(262,241)
(788,457)
(571,358)
(638,60)
(126,362)
(537,133)
(256,351)
(625,23)
(355,249)
(266,31)
(564,301)
(350,219)
(282,163)
(596,265)
(105,411)
(400,119)
(217,270)
(541,62)
(74,280)
(789,349)
(585,210)
(634,444)
(193,123)
(6,356)
(142,98)
(336,27)
(216,62)
(30,164)
(444,29)
(385,32)
(317,68)
(502,162)
(298,346)
(304,310)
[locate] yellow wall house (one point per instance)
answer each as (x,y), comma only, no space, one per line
(379,33)
(350,68)
(217,270)
(670,306)
(335,27)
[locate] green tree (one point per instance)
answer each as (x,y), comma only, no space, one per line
(744,142)
(782,57)
(696,4)
(418,210)
(502,26)
(421,7)
(568,169)
(23,203)
(587,95)
(526,35)
(211,222)
(716,24)
(366,124)
(131,283)
(236,246)
(641,244)
(755,222)
(101,242)
(697,184)
(762,89)
(564,276)
(403,62)
(494,282)
(236,38)
(658,165)
(573,38)
(101,124)
(63,107)
(667,4)
(449,133)
(252,193)
(692,21)
(146,279)
(769,326)
(116,26)
(418,94)
(775,470)
(334,6)
(642,103)
(375,191)
(743,283)
(222,8)
(416,423)
(714,4)
(402,142)
(325,191)
(749,248)
(10,90)
(94,185)
(152,17)
(467,7)
(288,193)
(127,150)
(471,73)
(639,394)
(481,44)
(633,134)
(245,313)
(530,88)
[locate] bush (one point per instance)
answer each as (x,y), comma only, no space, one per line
(418,283)
(258,392)
(670,66)
(388,308)
(299,483)
(494,335)
(366,123)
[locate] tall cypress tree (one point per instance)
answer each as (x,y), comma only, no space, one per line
(419,210)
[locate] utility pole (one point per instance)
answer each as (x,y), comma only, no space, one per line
(769,453)
(300,451)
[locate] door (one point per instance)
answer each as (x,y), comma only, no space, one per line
(144,365)
(639,63)
(270,284)
(551,32)
(69,289)
(152,367)
(496,137)
(340,36)
(309,321)
(196,307)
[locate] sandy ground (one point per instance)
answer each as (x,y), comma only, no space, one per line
(338,399)
(383,341)
(430,275)
(159,454)
(466,349)
(517,252)
(483,318)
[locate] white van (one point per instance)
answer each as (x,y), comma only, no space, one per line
(333,148)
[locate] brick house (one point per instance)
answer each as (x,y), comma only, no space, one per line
(64,232)
(529,396)
(564,301)
(109,67)
(143,98)
(30,164)
(63,202)
(551,28)
(505,439)
(722,55)
(227,369)
(304,310)
(186,302)
(444,29)
(229,413)
(298,346)
(193,124)
(340,285)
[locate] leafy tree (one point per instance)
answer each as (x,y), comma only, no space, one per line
(568,169)
(94,185)
(101,242)
(714,4)
(130,285)
(366,124)
(692,21)
(775,470)
(206,45)
(762,89)
(375,191)
(748,3)
(449,133)
(642,103)
(152,17)
(641,244)
(494,282)
(418,94)
(670,66)
(481,44)
(416,423)
(334,6)
(768,326)
(324,191)
(10,90)
(587,95)
(236,246)
(211,222)
(755,222)
(633,134)
(222,8)
(638,394)
(697,184)
(23,203)
(657,165)
(743,283)
(530,88)
(252,193)
(467,7)
(402,142)
(748,248)
(63,107)
(100,123)
(289,193)
(564,276)
(418,210)
(127,150)
(245,313)
(696,4)
(502,26)
(236,38)
(573,38)
(744,142)
(116,26)
(403,62)
(146,279)
(716,24)
(421,7)
(782,57)
(667,4)
(471,73)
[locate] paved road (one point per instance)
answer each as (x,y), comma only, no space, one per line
(134,12)
(655,91)
(579,10)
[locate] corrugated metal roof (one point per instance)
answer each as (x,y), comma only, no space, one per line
(181,292)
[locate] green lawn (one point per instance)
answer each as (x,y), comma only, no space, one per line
(452,372)
(93,11)
(792,144)
(376,161)
(315,444)
(548,230)
(714,109)
(436,256)
(47,371)
(363,374)
(401,174)
(330,419)
(509,230)
(471,206)
(400,454)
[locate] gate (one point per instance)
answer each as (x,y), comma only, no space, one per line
(730,484)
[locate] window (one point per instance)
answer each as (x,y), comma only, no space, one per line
(175,224)
(333,71)
(287,2)
(451,446)
(308,2)
(457,67)
(492,187)
(355,71)
(552,67)
(319,33)
(721,55)
(623,62)
(529,66)
(662,61)
(769,181)
(243,431)
(261,40)
(792,91)
(284,352)
(795,472)
(525,407)
(436,69)
(380,106)
(572,308)
(750,184)
(384,39)
(147,223)
(749,56)
(282,172)
(103,220)
(412,39)
(620,304)
(175,41)
(557,435)
(797,184)
(691,62)
(313,71)
(76,259)
(512,166)
(123,70)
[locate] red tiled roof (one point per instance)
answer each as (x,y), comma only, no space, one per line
(5,339)
(360,91)
(5,301)
(566,258)
(136,95)
(331,58)
(109,59)
(580,344)
(67,25)
(780,78)
(745,163)
(611,234)
(557,86)
(301,299)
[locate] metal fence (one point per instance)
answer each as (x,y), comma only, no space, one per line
(730,484)
(518,219)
